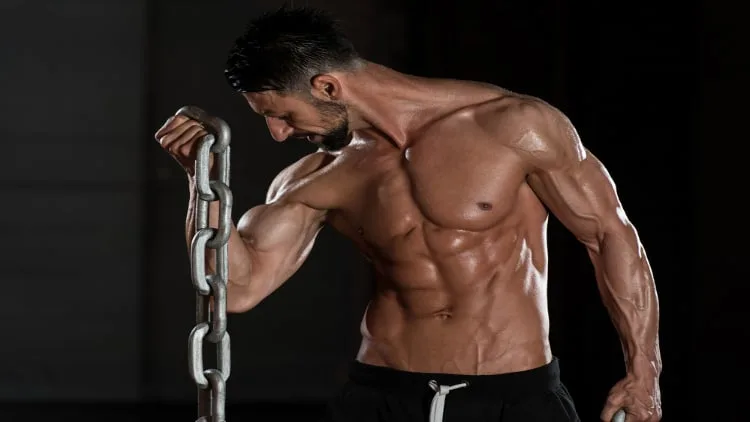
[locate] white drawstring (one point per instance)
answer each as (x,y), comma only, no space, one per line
(438,401)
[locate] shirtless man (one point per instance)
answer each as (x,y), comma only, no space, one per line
(444,185)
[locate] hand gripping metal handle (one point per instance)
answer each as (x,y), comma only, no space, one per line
(218,127)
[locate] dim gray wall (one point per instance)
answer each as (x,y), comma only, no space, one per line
(297,343)
(72,125)
(96,276)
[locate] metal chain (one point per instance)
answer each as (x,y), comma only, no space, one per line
(211,321)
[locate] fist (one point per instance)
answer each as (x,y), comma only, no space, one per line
(180,136)
(640,397)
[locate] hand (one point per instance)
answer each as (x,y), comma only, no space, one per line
(180,137)
(639,396)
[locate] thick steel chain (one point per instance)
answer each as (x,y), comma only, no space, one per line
(211,321)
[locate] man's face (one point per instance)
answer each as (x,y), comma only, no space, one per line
(323,123)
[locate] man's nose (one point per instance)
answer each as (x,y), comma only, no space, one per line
(279,129)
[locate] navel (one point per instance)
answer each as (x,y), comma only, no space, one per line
(361,231)
(484,206)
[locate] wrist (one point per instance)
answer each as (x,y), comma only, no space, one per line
(643,366)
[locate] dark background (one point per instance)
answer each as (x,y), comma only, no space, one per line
(97,300)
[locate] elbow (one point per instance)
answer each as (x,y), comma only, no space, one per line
(613,225)
(238,306)
(592,242)
(246,292)
(239,298)
(615,235)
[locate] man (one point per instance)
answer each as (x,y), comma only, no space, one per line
(444,186)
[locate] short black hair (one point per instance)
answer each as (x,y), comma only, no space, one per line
(284,49)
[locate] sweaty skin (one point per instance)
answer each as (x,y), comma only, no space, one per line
(445,188)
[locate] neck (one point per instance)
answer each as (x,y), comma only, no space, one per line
(389,102)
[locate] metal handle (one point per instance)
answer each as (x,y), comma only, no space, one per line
(619,416)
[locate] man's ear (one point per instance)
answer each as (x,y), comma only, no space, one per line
(325,87)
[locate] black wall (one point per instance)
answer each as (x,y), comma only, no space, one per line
(72,79)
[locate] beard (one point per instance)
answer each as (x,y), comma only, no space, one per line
(338,136)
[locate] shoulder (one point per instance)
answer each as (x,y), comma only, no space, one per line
(299,171)
(540,133)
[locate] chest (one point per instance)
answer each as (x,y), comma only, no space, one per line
(447,184)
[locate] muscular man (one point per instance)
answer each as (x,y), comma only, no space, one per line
(445,186)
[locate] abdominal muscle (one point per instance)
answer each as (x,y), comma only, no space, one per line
(426,317)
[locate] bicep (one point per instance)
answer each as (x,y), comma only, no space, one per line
(582,195)
(279,235)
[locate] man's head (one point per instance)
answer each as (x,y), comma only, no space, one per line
(284,63)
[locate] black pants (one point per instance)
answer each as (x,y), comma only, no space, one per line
(378,394)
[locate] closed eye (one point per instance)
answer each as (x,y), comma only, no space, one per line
(285,117)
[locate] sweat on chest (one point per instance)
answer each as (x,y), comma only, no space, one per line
(425,187)
(461,185)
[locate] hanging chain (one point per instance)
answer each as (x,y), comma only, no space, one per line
(211,289)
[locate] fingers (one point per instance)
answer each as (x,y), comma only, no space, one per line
(617,400)
(179,141)
(183,144)
(609,412)
(169,125)
(173,129)
(178,137)
(634,412)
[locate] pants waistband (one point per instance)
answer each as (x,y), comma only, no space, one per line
(505,386)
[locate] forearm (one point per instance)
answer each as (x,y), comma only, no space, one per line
(627,287)
(238,255)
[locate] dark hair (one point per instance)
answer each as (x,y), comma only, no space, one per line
(283,50)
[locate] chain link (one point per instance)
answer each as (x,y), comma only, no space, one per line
(211,322)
